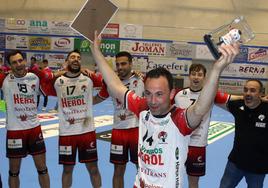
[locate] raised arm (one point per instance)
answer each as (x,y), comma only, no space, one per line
(116,88)
(207,95)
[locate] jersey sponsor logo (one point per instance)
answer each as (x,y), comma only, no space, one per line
(19,99)
(177,174)
(145,185)
(14,143)
(260,125)
(151,159)
(74,102)
(163,136)
(65,150)
(116,149)
(261,117)
(149,172)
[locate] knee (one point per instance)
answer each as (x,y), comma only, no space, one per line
(13,174)
(67,170)
(119,170)
(42,171)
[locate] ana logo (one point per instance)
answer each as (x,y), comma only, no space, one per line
(62,42)
(38,23)
(261,117)
(162,135)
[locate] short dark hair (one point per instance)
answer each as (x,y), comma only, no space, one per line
(45,61)
(74,51)
(13,53)
(197,67)
(124,54)
(160,71)
(258,81)
(33,58)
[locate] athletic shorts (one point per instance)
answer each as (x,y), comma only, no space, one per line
(85,144)
(22,142)
(196,161)
(124,141)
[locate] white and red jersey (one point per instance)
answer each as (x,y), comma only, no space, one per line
(163,145)
(123,118)
(75,104)
(187,97)
(21,97)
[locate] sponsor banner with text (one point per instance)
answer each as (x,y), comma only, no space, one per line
(111,31)
(83,45)
(39,43)
(146,48)
(246,70)
(258,55)
(61,28)
(231,86)
(38,27)
(110,47)
(17,42)
(130,31)
(13,25)
(62,44)
(180,50)
(55,60)
(174,65)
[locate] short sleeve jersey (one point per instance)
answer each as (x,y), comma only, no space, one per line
(75,104)
(163,145)
(123,118)
(187,97)
(21,96)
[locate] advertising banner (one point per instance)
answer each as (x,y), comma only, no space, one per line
(130,31)
(111,31)
(38,27)
(144,48)
(39,43)
(19,42)
(246,70)
(62,44)
(174,65)
(258,55)
(180,50)
(13,25)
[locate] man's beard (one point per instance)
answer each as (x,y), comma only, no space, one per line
(74,70)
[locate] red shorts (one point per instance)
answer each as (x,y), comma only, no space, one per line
(86,145)
(196,161)
(22,142)
(124,141)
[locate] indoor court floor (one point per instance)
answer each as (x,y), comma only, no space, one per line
(220,143)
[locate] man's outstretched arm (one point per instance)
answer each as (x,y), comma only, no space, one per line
(116,87)
(207,95)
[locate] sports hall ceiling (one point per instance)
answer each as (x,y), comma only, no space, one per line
(181,20)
